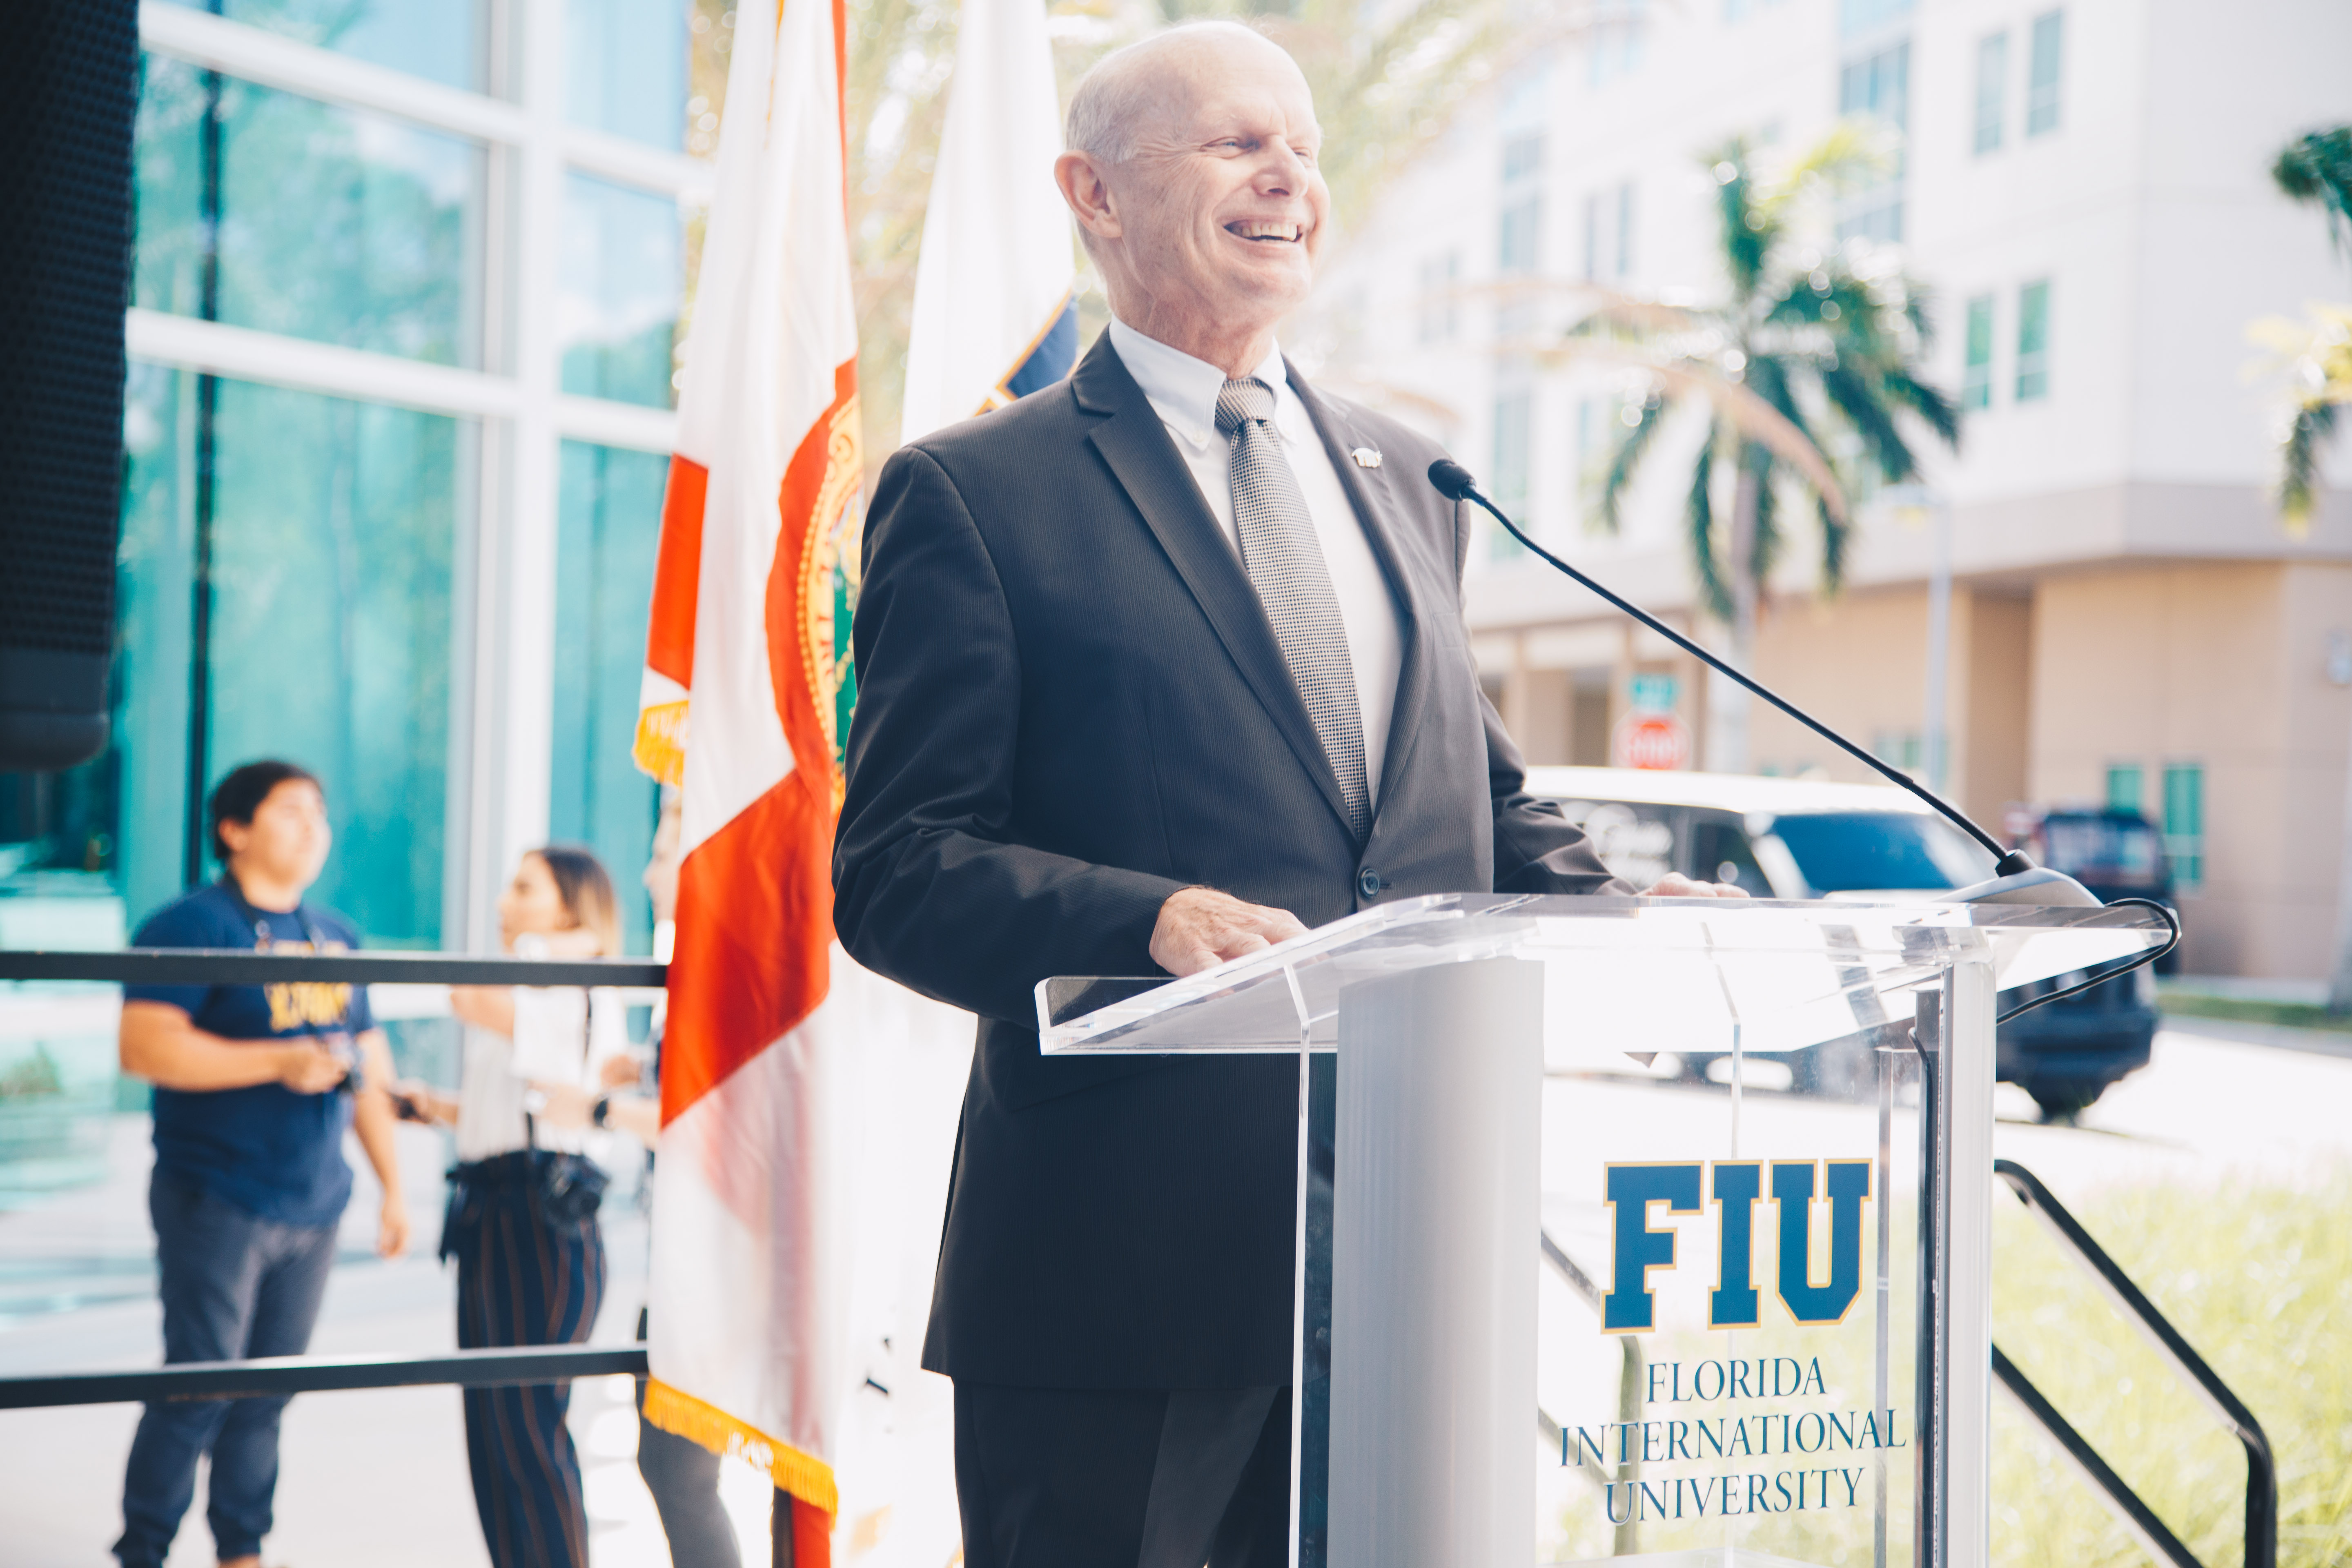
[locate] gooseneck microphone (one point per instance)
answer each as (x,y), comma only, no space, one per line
(1454,482)
(2016,878)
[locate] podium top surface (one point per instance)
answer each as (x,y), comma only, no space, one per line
(1620,974)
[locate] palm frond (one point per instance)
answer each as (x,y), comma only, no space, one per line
(2312,427)
(1919,310)
(1699,519)
(1749,229)
(1764,547)
(1852,150)
(1754,417)
(1631,315)
(1625,458)
(2317,168)
(1854,395)
(1934,406)
(1836,534)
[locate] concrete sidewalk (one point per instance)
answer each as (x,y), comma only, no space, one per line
(367,1479)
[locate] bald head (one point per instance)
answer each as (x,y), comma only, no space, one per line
(1137,88)
(1192,171)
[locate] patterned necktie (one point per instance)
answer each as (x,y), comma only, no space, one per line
(1286,566)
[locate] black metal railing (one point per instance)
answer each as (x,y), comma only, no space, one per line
(249,966)
(271,1376)
(268,1377)
(2262,1472)
(274,1375)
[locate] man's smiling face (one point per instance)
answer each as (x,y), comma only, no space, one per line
(1221,208)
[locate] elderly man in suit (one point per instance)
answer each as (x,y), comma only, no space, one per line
(1158,666)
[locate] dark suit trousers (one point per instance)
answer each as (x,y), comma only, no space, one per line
(1051,1476)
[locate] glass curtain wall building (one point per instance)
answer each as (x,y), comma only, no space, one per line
(409,282)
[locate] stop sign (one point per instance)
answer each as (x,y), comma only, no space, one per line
(1657,740)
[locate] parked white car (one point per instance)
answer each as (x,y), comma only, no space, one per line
(1801,838)
(1778,838)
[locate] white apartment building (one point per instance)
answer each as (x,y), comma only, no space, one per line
(2085,187)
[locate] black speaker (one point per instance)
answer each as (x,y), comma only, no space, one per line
(69,89)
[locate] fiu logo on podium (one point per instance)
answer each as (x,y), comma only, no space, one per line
(1737,1187)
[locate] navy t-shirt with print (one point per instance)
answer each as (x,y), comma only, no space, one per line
(266,1149)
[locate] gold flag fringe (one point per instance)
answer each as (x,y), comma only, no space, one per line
(804,1476)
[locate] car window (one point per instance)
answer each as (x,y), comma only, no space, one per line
(1721,853)
(1636,842)
(2102,849)
(1858,851)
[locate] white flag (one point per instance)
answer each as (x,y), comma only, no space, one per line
(993,316)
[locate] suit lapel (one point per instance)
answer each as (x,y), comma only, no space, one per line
(1142,457)
(1375,505)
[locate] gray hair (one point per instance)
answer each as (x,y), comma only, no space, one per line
(1113,97)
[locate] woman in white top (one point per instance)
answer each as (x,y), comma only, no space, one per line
(522,1221)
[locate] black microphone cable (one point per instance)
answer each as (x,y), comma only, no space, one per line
(2102,976)
(1457,484)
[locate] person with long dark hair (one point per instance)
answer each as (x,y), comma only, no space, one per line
(522,1204)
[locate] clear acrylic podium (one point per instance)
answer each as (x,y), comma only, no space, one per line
(1631,1228)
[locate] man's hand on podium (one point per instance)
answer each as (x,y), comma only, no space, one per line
(1674,885)
(1199,928)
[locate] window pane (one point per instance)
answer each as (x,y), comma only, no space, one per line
(608,526)
(1519,248)
(623,277)
(2123,787)
(1976,380)
(1625,229)
(441,40)
(1513,418)
(1992,90)
(333,527)
(624,68)
(2033,340)
(1862,16)
(1879,86)
(333,224)
(153,610)
(2184,822)
(2042,89)
(1523,157)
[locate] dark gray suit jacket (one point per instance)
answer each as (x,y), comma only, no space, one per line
(1071,705)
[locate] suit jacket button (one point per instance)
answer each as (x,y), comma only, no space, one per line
(1368,882)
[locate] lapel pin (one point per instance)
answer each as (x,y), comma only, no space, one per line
(1366,457)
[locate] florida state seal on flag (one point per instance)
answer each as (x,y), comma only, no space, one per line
(747,692)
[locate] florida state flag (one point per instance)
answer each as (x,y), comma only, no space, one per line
(747,695)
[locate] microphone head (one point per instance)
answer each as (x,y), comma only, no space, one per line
(1452,480)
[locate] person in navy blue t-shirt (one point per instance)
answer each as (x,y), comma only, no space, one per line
(254,1087)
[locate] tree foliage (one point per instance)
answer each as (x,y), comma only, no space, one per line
(2316,354)
(1811,358)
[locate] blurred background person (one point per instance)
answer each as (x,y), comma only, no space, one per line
(682,1475)
(254,1087)
(523,1204)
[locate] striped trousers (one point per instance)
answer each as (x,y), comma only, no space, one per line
(523,1282)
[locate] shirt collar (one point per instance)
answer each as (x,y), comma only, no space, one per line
(1184,390)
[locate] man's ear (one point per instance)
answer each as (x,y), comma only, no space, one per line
(1088,193)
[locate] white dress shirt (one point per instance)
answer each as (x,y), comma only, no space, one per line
(1183,392)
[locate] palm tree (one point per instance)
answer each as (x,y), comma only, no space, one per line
(2317,355)
(2318,169)
(1809,354)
